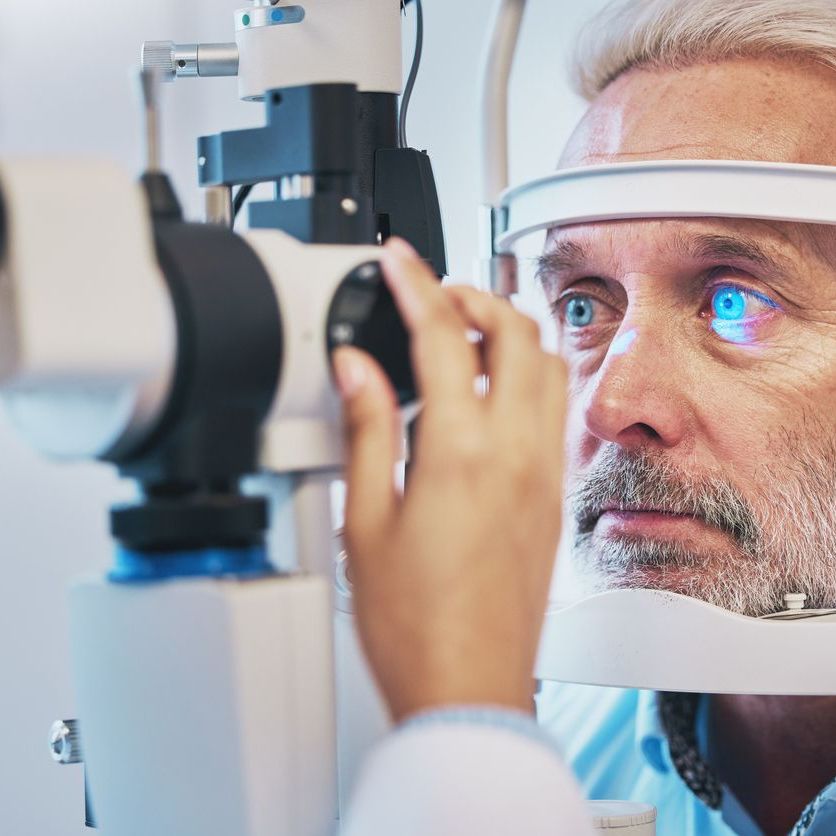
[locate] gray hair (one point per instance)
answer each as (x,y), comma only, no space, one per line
(680,33)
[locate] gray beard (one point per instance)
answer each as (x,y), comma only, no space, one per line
(787,545)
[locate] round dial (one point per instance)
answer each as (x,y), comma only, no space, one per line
(363,314)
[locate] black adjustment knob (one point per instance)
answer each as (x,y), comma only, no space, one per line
(363,314)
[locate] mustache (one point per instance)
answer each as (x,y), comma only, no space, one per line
(639,480)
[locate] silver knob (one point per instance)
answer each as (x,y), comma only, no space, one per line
(157,57)
(168,60)
(65,742)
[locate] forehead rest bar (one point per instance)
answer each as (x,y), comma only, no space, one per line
(666,189)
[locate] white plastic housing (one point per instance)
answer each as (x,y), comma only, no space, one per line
(667,189)
(87,332)
(304,430)
(207,707)
(339,41)
(641,638)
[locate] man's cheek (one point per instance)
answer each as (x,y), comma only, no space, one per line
(781,396)
(580,444)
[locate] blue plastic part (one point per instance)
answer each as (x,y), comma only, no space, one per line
(142,567)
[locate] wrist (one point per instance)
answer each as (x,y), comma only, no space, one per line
(501,718)
(412,701)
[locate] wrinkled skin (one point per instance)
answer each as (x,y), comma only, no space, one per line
(655,383)
(751,409)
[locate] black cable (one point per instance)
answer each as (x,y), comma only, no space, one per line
(413,73)
(240,197)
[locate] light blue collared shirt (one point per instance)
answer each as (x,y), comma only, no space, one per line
(615,743)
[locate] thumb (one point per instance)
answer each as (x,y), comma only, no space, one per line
(370,415)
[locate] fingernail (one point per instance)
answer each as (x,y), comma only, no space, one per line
(401,247)
(349,371)
(401,283)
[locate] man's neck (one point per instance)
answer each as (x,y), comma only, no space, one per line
(774,753)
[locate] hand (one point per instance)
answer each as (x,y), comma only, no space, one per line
(451,580)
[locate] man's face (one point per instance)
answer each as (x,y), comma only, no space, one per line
(702,353)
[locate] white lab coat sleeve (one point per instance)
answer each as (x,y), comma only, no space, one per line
(464,771)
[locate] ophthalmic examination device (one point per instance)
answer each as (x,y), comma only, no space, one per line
(192,357)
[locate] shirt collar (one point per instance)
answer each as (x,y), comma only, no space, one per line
(650,734)
(652,743)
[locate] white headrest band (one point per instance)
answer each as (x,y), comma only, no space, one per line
(667,189)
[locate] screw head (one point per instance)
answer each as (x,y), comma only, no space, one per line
(342,333)
(367,272)
(349,206)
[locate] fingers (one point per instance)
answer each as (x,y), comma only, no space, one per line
(370,414)
(444,361)
(556,395)
(514,359)
(555,398)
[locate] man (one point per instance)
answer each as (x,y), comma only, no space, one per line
(701,456)
(702,361)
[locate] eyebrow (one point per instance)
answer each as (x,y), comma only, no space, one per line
(563,256)
(737,248)
(569,255)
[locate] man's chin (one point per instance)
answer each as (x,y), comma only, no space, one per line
(686,568)
(691,582)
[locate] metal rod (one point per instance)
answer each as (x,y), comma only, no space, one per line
(317,545)
(219,205)
(173,60)
(215,60)
(496,77)
(150,85)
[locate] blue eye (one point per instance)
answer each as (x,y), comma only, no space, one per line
(729,303)
(579,312)
(737,312)
(734,304)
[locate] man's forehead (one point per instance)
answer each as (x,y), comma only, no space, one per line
(771,248)
(691,237)
(775,110)
(759,109)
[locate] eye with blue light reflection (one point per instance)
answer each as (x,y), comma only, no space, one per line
(736,310)
(579,311)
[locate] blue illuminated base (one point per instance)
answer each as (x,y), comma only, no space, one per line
(135,567)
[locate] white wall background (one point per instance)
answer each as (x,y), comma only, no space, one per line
(65,89)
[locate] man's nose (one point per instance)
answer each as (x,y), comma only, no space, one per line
(638,394)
